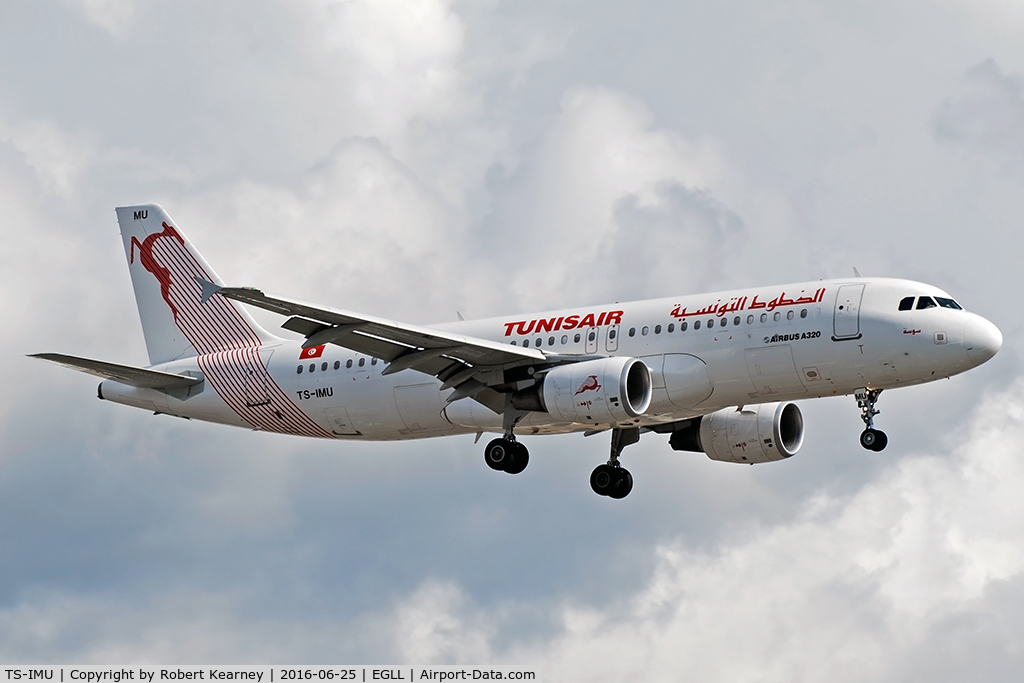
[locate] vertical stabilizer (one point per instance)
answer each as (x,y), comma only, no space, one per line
(166,272)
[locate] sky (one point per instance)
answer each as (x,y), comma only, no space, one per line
(418,158)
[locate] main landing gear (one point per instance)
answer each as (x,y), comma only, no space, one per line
(612,479)
(871,438)
(506,454)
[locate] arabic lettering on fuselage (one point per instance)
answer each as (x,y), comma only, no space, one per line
(744,303)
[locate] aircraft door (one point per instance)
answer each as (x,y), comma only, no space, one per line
(592,334)
(846,318)
(420,406)
(257,393)
(611,340)
(772,371)
(339,422)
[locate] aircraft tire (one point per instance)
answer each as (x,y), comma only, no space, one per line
(499,453)
(623,484)
(602,479)
(873,439)
(520,458)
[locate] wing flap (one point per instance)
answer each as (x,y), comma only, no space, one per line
(125,374)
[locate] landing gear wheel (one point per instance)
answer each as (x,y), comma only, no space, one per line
(623,484)
(603,480)
(520,458)
(873,439)
(499,453)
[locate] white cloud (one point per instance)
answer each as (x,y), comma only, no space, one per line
(566,205)
(57,158)
(114,16)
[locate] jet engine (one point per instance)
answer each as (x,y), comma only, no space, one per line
(747,434)
(606,390)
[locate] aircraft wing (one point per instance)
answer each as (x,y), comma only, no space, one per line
(125,374)
(467,363)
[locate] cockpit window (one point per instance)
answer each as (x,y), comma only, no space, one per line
(906,303)
(925,302)
(948,303)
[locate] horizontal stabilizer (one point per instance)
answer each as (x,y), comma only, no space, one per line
(125,374)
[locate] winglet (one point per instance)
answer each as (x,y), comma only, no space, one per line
(209,289)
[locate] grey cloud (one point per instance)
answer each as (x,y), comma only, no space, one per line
(129,537)
(986,113)
(680,242)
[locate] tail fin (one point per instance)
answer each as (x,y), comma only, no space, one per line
(166,273)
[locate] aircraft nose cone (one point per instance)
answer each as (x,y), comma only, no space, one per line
(982,339)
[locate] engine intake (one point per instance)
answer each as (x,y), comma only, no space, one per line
(748,434)
(602,391)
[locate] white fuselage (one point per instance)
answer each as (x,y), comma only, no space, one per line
(705,352)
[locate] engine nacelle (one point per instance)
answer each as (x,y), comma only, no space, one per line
(602,391)
(760,433)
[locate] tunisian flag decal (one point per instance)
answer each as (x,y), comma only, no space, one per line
(312,352)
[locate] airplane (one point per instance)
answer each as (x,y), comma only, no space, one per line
(717,373)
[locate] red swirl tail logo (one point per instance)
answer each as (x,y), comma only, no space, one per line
(589,384)
(162,275)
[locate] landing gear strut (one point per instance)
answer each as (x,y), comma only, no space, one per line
(612,479)
(506,454)
(871,438)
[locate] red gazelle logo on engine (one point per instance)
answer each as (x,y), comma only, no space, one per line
(589,384)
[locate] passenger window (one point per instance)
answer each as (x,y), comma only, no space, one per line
(682,326)
(777,316)
(696,324)
(750,319)
(790,314)
(925,302)
(948,303)
(612,334)
(576,339)
(298,370)
(657,329)
(906,303)
(632,332)
(513,342)
(337,365)
(803,312)
(711,323)
(362,362)
(538,342)
(312,367)
(324,367)
(348,363)
(592,336)
(526,343)
(551,341)
(723,323)
(764,317)
(565,338)
(671,328)
(736,320)
(645,330)
(373,361)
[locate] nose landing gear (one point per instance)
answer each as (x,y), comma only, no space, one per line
(612,479)
(871,438)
